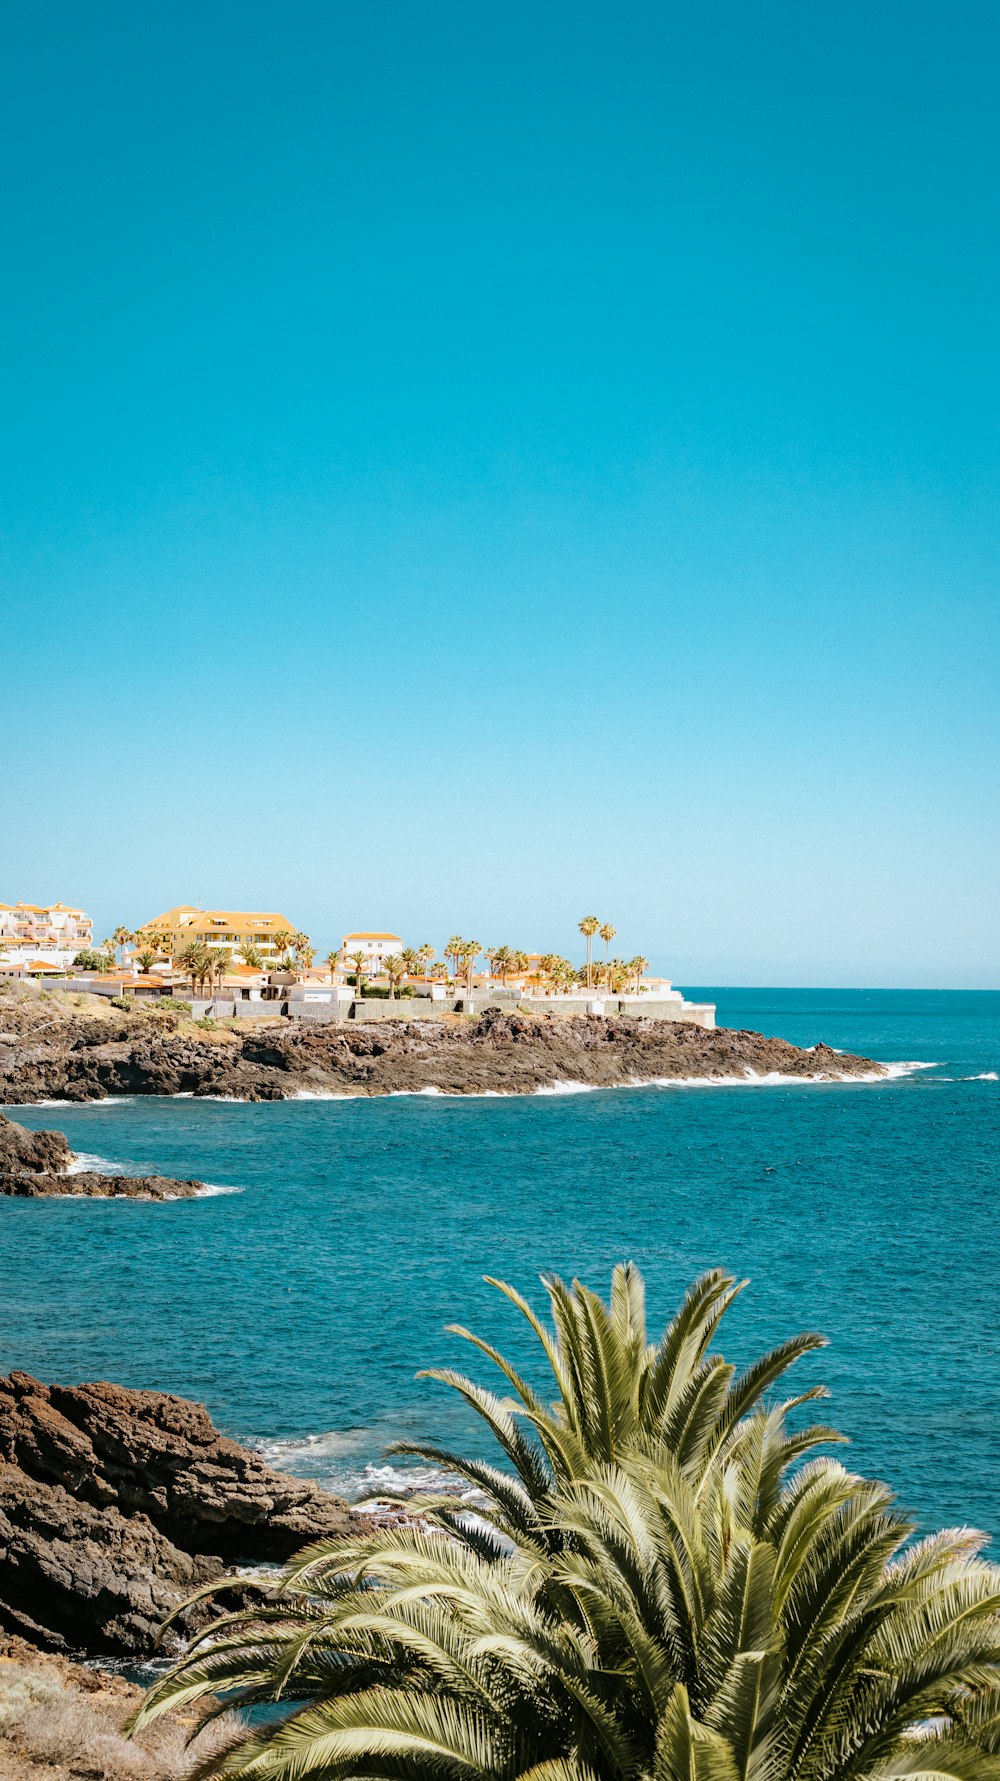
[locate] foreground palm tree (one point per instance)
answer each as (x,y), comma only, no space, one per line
(655,1588)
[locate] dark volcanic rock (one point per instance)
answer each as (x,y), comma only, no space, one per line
(115,1504)
(512,1053)
(80,1578)
(89,1185)
(32,1166)
(148,1451)
(23,1152)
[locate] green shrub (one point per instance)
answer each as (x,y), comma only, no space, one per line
(207,1024)
(126,1003)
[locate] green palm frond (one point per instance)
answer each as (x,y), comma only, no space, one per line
(663,1581)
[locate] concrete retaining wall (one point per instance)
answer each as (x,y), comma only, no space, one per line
(701,1014)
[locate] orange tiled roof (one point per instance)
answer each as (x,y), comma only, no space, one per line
(205,921)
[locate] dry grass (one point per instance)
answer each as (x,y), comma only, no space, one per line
(60,1723)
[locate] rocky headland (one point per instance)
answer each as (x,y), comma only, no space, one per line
(115,1505)
(50,1051)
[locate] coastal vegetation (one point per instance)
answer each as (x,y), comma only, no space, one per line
(664,1578)
(548,973)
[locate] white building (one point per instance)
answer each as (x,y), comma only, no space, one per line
(51,933)
(376,948)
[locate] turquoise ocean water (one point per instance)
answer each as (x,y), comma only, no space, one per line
(300,1307)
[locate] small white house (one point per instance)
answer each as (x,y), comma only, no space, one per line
(376,948)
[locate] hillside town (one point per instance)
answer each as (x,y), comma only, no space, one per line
(237,962)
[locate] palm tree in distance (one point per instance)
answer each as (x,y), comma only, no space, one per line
(547,965)
(395,971)
(196,961)
(300,944)
(160,939)
(123,937)
(426,955)
(359,960)
(411,960)
(455,950)
(588,928)
(654,1588)
(470,952)
(222,960)
(636,968)
(332,961)
(282,939)
(145,960)
(501,963)
(607,933)
(250,955)
(618,976)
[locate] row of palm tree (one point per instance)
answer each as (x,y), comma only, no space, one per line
(293,951)
(664,1579)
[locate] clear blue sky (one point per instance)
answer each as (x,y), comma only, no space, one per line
(470,467)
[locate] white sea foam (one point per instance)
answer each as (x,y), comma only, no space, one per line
(335,1460)
(84,1161)
(560,1087)
(894,1071)
(323,1094)
(984,1076)
(62,1101)
(211,1191)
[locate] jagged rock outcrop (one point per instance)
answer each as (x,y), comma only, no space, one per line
(23,1152)
(116,1504)
(75,1577)
(35,1165)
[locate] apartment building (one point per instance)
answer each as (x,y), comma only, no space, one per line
(229,928)
(52,933)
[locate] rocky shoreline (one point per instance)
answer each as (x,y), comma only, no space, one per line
(51,1052)
(115,1505)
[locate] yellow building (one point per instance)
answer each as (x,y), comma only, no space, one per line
(231,928)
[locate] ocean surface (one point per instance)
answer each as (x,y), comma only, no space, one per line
(300,1303)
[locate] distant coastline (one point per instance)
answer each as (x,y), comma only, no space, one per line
(52,1048)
